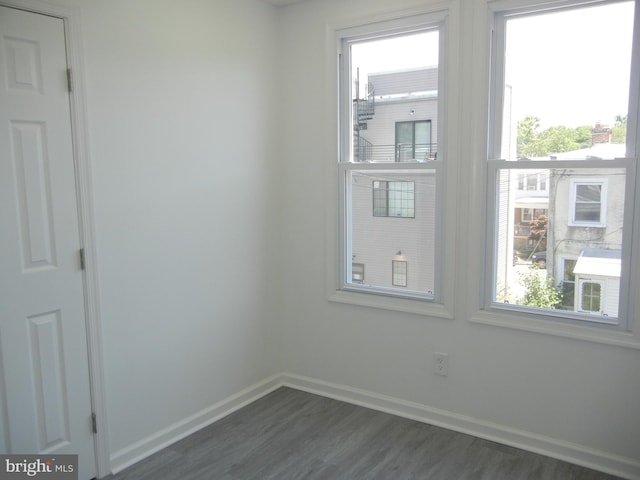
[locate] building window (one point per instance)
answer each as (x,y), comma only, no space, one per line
(413,140)
(388,166)
(590,294)
(531,214)
(535,181)
(357,272)
(393,199)
(568,285)
(540,151)
(588,202)
(399,273)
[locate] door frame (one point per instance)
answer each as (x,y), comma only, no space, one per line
(79,127)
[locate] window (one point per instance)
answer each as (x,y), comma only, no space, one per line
(587,202)
(413,141)
(546,150)
(390,175)
(568,285)
(357,272)
(532,181)
(399,273)
(590,292)
(393,199)
(531,214)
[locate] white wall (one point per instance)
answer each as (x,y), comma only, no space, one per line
(181,98)
(571,391)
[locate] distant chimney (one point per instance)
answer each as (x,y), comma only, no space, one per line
(600,134)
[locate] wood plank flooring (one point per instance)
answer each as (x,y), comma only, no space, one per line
(290,434)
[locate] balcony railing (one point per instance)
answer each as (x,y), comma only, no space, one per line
(365,151)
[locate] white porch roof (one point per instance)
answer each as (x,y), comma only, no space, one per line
(532,202)
(602,263)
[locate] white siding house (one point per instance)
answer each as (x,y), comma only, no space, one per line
(393,214)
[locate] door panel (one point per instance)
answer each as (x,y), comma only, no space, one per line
(44,375)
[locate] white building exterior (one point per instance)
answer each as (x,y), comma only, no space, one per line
(393,213)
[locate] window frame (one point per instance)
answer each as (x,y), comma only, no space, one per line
(392,298)
(547,320)
(575,183)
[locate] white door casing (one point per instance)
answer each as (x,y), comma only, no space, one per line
(44,379)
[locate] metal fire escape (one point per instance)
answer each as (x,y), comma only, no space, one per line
(363,111)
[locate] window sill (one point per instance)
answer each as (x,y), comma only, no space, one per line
(530,323)
(405,305)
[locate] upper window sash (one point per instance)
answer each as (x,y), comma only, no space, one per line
(503,10)
(346,38)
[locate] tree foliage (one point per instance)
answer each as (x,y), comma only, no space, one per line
(538,227)
(619,130)
(540,290)
(535,143)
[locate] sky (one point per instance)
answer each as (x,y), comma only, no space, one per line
(577,60)
(571,68)
(396,53)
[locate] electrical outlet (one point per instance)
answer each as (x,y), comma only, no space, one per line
(441,364)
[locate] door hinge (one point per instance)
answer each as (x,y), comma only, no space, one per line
(94,423)
(69,80)
(82,260)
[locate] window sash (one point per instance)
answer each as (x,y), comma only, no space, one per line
(625,301)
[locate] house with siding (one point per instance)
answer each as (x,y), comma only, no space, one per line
(396,121)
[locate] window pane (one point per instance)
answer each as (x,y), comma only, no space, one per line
(567,92)
(552,253)
(406,234)
(394,98)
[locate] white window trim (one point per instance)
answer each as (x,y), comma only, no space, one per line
(574,183)
(438,305)
(521,318)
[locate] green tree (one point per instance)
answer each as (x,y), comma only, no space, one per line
(540,290)
(528,136)
(535,143)
(619,130)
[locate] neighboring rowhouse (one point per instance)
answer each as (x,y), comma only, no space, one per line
(586,208)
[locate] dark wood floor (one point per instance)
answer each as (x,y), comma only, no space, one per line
(290,434)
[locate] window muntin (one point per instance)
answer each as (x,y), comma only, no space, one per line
(389,167)
(586,188)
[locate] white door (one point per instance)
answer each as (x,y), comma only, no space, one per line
(45,404)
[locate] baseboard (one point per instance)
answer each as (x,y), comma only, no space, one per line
(577,454)
(159,440)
